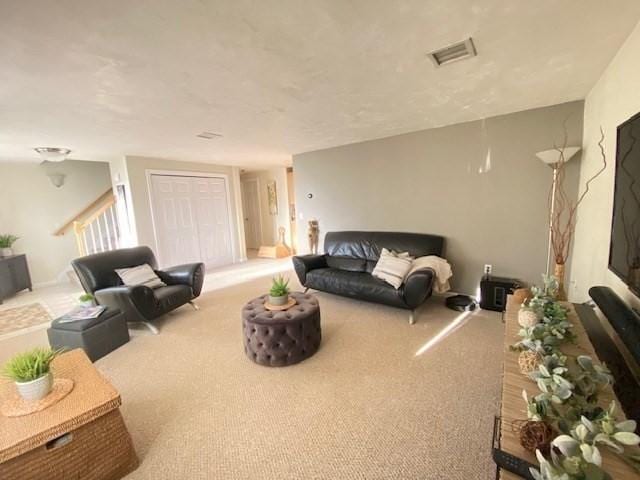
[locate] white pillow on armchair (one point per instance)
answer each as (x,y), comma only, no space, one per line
(140,275)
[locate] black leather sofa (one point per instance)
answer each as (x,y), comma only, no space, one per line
(345,269)
(138,303)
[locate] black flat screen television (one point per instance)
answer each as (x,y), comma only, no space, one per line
(624,251)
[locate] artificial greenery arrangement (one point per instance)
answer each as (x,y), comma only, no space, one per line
(279,287)
(31,365)
(566,410)
(7,240)
(86,298)
(550,327)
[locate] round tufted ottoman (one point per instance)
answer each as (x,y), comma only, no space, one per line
(278,339)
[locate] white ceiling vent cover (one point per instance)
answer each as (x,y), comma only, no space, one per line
(453,53)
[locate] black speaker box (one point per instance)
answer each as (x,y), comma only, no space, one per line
(494,291)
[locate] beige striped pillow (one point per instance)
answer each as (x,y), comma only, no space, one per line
(393,267)
(140,275)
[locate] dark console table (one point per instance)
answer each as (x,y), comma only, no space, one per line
(14,275)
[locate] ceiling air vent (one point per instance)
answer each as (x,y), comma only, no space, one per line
(453,53)
(209,135)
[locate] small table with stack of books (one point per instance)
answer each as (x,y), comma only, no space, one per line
(97,330)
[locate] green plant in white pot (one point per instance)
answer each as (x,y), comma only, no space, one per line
(279,293)
(87,300)
(6,244)
(31,372)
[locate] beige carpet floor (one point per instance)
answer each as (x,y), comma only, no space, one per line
(364,407)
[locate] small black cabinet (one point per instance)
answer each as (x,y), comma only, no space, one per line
(14,275)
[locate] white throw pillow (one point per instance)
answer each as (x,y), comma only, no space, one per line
(393,267)
(140,275)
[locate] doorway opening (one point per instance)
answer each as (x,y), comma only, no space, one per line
(252,215)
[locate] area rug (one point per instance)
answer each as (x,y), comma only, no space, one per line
(381,399)
(19,319)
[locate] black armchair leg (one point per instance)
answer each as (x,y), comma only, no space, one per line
(195,307)
(412,317)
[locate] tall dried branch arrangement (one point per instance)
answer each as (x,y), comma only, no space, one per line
(563,222)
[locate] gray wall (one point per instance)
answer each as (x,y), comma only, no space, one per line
(32,208)
(479,184)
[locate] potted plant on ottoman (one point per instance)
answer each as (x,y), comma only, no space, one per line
(86,300)
(6,242)
(279,293)
(31,372)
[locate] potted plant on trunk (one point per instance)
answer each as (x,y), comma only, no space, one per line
(31,372)
(86,300)
(6,242)
(279,293)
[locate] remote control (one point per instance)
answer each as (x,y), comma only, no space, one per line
(513,464)
(505,460)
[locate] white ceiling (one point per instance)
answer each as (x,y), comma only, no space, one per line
(279,77)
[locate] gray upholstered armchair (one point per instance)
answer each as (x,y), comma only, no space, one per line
(139,303)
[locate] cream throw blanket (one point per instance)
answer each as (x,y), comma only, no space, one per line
(441,268)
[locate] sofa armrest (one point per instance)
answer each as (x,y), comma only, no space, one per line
(418,287)
(191,274)
(137,302)
(303,264)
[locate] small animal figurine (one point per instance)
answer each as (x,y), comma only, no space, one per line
(281,232)
(313,233)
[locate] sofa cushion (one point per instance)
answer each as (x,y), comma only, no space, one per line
(359,285)
(369,245)
(347,263)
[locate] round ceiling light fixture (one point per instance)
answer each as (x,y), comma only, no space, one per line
(53,154)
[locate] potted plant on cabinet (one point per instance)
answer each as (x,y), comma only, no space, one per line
(279,293)
(31,372)
(86,300)
(6,242)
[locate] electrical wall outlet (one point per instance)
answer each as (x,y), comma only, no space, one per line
(488,268)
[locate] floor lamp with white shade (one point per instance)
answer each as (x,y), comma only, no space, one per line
(554,158)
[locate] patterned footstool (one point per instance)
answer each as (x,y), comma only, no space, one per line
(278,339)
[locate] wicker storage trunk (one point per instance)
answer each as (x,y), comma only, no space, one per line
(83,437)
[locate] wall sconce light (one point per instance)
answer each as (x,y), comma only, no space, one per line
(56,179)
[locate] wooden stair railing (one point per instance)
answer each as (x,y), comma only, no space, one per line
(96,226)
